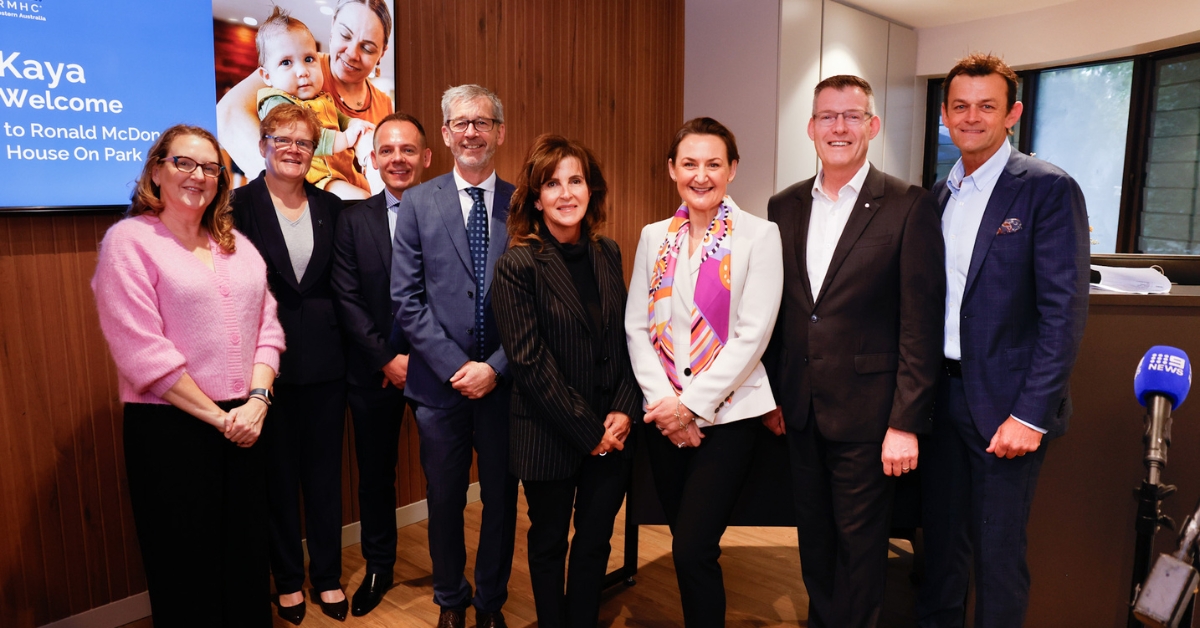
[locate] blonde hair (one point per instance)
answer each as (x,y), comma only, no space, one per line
(280,21)
(218,216)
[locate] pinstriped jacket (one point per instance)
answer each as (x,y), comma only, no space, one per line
(562,390)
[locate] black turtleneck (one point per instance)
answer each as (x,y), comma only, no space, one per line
(579,263)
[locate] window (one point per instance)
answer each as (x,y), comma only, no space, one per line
(1169,203)
(1079,124)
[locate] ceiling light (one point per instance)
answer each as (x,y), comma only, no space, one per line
(250,21)
(327,10)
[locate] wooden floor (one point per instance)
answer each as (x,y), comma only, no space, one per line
(761,565)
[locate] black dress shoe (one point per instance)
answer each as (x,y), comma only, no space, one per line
(336,610)
(369,593)
(494,619)
(294,614)
(452,618)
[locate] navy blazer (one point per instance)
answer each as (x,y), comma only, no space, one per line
(314,344)
(362,271)
(433,287)
(1026,298)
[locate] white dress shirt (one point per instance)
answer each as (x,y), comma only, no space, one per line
(826,223)
(960,223)
(489,194)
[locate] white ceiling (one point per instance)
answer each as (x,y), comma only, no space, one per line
(307,11)
(927,13)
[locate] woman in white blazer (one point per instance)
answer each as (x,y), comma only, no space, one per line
(702,303)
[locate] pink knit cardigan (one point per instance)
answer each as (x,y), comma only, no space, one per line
(165,313)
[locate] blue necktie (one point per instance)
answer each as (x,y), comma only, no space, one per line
(477,238)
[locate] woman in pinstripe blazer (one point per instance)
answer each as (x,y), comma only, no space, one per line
(558,297)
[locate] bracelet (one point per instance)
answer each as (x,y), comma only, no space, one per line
(678,419)
(260,398)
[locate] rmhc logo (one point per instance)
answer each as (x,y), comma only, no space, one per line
(28,9)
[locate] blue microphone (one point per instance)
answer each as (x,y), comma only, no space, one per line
(1163,371)
(1161,383)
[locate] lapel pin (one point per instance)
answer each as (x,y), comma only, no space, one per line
(866,204)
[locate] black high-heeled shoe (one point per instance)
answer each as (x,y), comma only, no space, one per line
(336,610)
(293,614)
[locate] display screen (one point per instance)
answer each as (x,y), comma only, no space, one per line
(86,87)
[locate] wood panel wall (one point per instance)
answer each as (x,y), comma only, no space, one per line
(609,74)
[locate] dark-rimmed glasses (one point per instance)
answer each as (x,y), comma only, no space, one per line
(482,125)
(187,165)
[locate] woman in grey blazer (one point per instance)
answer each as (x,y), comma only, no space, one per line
(558,298)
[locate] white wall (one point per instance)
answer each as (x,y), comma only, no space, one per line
(730,70)
(856,43)
(1083,30)
(799,73)
(822,38)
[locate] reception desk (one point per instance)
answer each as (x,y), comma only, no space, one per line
(1081,535)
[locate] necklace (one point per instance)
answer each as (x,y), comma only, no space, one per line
(367,100)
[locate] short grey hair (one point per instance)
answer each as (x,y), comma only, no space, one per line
(465,93)
(842,82)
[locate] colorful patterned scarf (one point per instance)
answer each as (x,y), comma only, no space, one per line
(710,310)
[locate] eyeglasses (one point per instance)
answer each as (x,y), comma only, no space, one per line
(282,143)
(482,125)
(183,164)
(853,117)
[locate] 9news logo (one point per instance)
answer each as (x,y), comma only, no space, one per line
(1166,363)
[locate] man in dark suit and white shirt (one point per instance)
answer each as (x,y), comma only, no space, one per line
(449,234)
(376,369)
(855,353)
(1017,271)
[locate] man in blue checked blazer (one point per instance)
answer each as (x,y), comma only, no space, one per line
(449,234)
(1017,254)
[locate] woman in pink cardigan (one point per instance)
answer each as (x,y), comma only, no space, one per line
(184,306)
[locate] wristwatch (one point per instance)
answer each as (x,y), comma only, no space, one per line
(262,393)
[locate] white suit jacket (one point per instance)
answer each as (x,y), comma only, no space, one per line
(756,286)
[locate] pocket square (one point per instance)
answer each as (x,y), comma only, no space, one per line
(1012,225)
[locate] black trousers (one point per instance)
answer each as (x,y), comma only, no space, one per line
(595,493)
(303,435)
(975,508)
(698,488)
(843,517)
(378,414)
(447,437)
(198,503)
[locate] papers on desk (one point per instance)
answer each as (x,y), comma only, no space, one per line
(1130,281)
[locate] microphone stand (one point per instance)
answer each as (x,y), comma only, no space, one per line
(1150,495)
